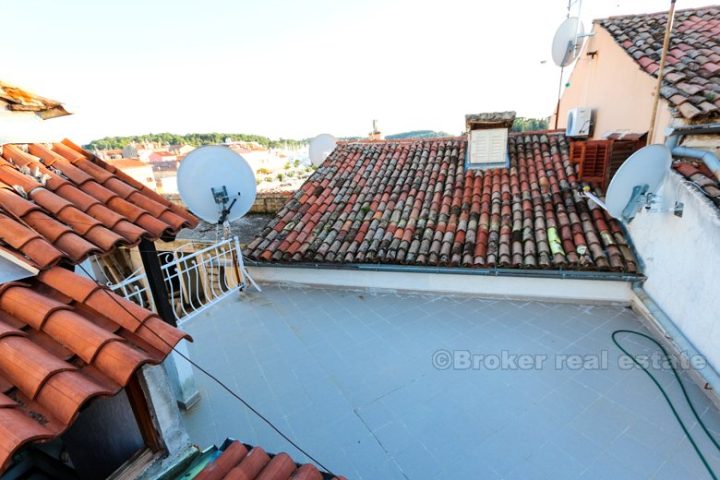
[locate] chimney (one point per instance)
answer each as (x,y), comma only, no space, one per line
(487,139)
(375,134)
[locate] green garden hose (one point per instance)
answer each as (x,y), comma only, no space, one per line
(667,399)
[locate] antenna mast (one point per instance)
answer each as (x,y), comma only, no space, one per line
(661,70)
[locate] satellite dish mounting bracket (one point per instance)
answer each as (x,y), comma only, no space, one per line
(638,197)
(222,198)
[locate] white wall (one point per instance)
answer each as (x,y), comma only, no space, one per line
(488,286)
(682,263)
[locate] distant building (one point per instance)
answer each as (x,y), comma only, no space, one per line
(111,154)
(180,150)
(137,150)
(163,160)
(140,171)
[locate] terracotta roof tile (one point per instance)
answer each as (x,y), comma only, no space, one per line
(701,177)
(414,203)
(77,205)
(692,73)
(60,346)
(239,462)
(20,100)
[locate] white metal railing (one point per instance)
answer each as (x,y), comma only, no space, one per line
(195,278)
(135,288)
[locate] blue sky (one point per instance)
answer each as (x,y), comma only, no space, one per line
(287,69)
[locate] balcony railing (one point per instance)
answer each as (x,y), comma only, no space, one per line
(197,275)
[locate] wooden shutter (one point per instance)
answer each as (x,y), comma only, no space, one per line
(592,158)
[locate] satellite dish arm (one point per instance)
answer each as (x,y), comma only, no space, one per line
(225,212)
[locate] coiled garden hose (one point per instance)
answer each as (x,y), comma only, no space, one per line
(667,398)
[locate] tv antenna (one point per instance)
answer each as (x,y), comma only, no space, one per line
(218,185)
(320,147)
(636,185)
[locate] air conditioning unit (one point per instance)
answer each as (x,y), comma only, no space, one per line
(579,122)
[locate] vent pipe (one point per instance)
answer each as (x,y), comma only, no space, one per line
(675,136)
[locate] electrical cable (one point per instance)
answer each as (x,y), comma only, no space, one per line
(667,398)
(111,295)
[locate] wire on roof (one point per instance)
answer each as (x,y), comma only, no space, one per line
(213,378)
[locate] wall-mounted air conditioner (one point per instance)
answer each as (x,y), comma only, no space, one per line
(579,122)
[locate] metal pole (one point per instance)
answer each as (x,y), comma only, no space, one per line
(156,281)
(180,372)
(661,71)
(562,70)
(559,95)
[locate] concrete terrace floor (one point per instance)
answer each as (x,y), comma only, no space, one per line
(349,375)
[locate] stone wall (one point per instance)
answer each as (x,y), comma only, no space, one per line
(265,202)
(270,202)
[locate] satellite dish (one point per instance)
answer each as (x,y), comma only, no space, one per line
(568,42)
(216,184)
(320,147)
(637,181)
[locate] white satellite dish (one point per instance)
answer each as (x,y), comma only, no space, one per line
(320,147)
(637,182)
(568,42)
(217,184)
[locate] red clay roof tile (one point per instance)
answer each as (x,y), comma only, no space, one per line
(413,202)
(701,178)
(65,199)
(59,348)
(236,463)
(692,76)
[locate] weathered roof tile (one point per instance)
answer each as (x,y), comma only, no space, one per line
(692,61)
(414,203)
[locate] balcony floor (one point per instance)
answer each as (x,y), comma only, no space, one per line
(349,375)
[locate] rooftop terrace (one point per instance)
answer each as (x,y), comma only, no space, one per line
(362,380)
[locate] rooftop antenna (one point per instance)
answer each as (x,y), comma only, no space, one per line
(636,185)
(320,147)
(566,46)
(661,70)
(218,185)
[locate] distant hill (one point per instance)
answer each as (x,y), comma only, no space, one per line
(417,134)
(194,139)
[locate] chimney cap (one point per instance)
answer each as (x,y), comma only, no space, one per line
(479,121)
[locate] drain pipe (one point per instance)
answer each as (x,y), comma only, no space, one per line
(675,136)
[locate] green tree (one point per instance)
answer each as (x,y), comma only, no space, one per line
(525,124)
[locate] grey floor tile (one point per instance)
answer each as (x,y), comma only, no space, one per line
(349,376)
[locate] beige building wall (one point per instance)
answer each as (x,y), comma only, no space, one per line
(614,86)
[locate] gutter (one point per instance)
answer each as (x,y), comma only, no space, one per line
(483,272)
(676,135)
(680,345)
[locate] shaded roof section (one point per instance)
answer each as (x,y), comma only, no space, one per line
(413,203)
(58,201)
(65,340)
(692,76)
(18,100)
(701,176)
(240,462)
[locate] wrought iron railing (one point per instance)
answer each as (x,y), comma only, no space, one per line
(197,275)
